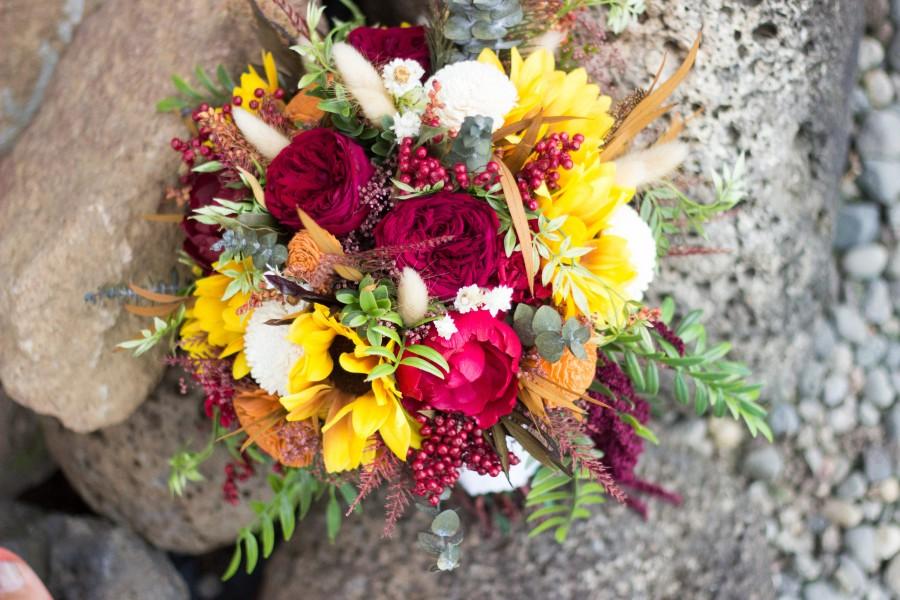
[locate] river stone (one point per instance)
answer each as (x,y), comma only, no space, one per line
(122,473)
(74,189)
(81,557)
(713,546)
(24,461)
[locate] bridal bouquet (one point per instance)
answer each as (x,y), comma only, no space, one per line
(420,264)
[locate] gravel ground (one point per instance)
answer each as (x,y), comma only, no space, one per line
(829,486)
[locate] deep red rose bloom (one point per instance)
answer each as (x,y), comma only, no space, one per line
(321,171)
(381,45)
(472,255)
(199,238)
(511,273)
(484,356)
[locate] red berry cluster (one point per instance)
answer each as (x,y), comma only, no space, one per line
(236,471)
(190,148)
(416,168)
(449,443)
(430,117)
(485,179)
(552,155)
(260,94)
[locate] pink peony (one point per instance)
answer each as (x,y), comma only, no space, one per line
(484,356)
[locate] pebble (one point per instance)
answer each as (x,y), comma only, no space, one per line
(879,88)
(894,53)
(869,415)
(860,543)
(727,434)
(831,539)
(879,390)
(878,139)
(893,423)
(853,487)
(893,269)
(887,541)
(871,53)
(857,223)
(842,513)
(763,463)
(892,575)
(850,576)
(888,490)
(880,180)
(783,420)
(821,590)
(843,418)
(867,261)
(824,338)
(877,463)
(807,567)
(872,352)
(850,324)
(812,380)
(837,387)
(877,306)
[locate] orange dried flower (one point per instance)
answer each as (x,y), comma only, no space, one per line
(304,256)
(573,374)
(262,417)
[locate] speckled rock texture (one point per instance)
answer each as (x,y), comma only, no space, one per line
(80,557)
(23,458)
(122,473)
(711,547)
(773,79)
(74,189)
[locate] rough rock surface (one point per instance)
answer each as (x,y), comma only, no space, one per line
(122,473)
(34,36)
(74,187)
(772,78)
(711,547)
(23,458)
(83,557)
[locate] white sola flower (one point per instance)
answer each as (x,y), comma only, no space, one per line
(498,299)
(402,75)
(626,223)
(468,298)
(269,353)
(406,125)
(470,89)
(445,327)
(519,475)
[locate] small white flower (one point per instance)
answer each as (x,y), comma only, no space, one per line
(498,299)
(445,327)
(468,298)
(406,125)
(402,75)
(270,354)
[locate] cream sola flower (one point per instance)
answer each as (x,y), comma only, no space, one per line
(269,352)
(402,75)
(470,89)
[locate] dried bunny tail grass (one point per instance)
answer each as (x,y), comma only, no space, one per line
(638,169)
(550,41)
(412,296)
(363,82)
(262,136)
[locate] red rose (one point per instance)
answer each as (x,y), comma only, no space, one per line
(484,356)
(381,45)
(198,237)
(321,171)
(472,255)
(511,273)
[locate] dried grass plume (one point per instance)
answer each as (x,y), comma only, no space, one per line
(363,82)
(647,166)
(412,297)
(265,138)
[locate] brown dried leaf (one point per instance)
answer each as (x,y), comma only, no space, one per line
(254,184)
(304,108)
(519,219)
(328,244)
(156,296)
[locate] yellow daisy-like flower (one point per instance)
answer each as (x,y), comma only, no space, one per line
(329,382)
(213,327)
(251,81)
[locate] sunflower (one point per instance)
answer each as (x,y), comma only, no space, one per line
(214,326)
(251,81)
(329,382)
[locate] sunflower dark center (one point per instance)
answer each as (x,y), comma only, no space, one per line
(351,383)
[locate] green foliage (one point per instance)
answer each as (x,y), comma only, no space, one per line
(184,466)
(494,197)
(443,540)
(702,376)
(544,329)
(560,500)
(214,92)
(244,215)
(162,329)
(472,146)
(411,192)
(294,494)
(263,249)
(668,211)
(477,24)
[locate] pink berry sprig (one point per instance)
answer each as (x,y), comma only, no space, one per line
(552,154)
(417,169)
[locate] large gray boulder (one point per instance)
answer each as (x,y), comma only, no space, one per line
(122,473)
(80,557)
(711,547)
(24,461)
(74,189)
(773,78)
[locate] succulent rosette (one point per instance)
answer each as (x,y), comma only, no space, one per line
(422,264)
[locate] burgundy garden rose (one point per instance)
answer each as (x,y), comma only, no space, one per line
(381,45)
(321,171)
(484,356)
(470,257)
(511,273)
(198,237)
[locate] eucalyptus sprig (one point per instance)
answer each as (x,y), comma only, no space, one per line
(162,330)
(443,540)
